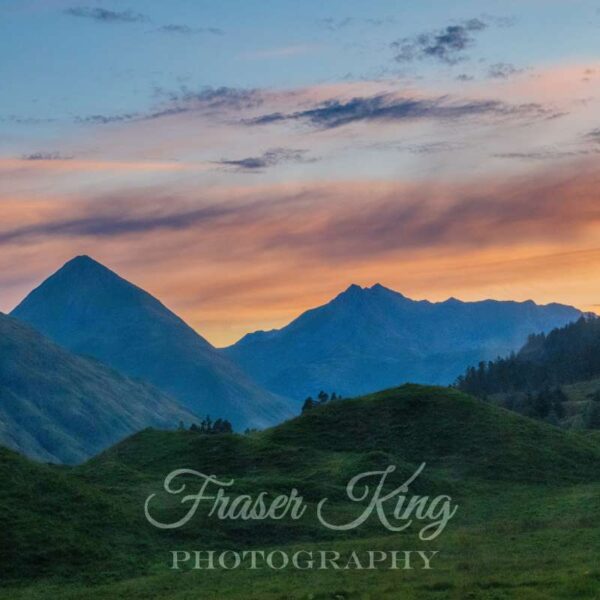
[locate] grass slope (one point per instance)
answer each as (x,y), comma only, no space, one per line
(526,527)
(55,406)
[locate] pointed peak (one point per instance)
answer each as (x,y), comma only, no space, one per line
(83,260)
(355,288)
(355,291)
(352,292)
(82,270)
(85,266)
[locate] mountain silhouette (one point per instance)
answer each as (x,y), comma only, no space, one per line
(367,339)
(90,310)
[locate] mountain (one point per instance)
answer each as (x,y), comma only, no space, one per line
(372,338)
(90,310)
(58,407)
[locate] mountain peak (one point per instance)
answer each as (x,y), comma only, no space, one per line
(82,259)
(375,291)
(89,309)
(81,263)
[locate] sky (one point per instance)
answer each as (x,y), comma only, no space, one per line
(245,161)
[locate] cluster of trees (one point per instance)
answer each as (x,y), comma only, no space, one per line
(529,382)
(547,404)
(322,398)
(208,426)
(563,356)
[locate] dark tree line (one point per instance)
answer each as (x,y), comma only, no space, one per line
(529,382)
(322,398)
(208,426)
(563,356)
(547,404)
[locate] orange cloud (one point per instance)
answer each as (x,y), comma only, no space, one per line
(73,165)
(234,259)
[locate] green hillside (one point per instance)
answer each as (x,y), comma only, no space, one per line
(59,407)
(452,432)
(527,495)
(51,522)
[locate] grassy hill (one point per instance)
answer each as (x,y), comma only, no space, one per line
(59,407)
(527,494)
(52,522)
(452,432)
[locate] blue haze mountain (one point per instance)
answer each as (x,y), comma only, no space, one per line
(90,310)
(367,339)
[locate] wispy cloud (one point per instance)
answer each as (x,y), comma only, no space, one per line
(212,98)
(333,216)
(547,154)
(424,148)
(337,24)
(593,135)
(57,164)
(446,45)
(103,15)
(187,30)
(270,158)
(503,70)
(45,156)
(208,100)
(126,117)
(389,107)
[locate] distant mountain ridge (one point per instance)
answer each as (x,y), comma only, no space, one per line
(58,407)
(368,339)
(90,310)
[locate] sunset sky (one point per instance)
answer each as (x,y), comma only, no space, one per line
(244,161)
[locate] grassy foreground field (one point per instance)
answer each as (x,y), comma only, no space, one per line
(537,544)
(528,523)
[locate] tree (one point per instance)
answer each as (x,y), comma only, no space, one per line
(543,403)
(221,426)
(309,404)
(208,427)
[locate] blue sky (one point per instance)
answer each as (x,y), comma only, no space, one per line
(58,65)
(245,161)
